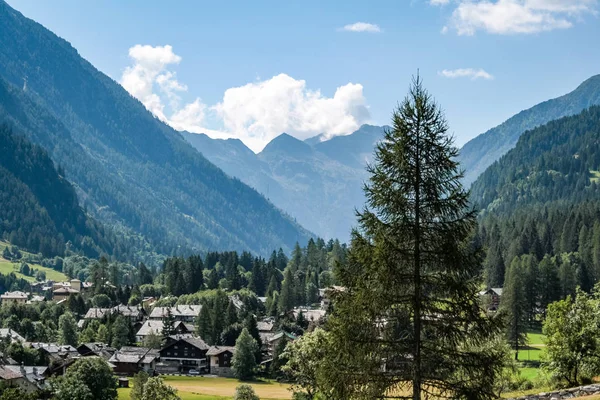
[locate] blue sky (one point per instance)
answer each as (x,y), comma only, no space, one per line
(254,69)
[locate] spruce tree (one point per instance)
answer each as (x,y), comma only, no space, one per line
(168,324)
(204,324)
(409,317)
(288,292)
(513,305)
(244,362)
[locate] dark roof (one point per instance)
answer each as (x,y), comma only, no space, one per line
(194,341)
(216,350)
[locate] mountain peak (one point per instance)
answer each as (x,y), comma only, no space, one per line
(288,144)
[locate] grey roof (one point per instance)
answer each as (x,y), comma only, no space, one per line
(96,313)
(32,374)
(14,295)
(97,348)
(265,326)
(134,355)
(127,311)
(216,350)
(194,341)
(7,332)
(497,291)
(150,326)
(54,348)
(8,374)
(176,311)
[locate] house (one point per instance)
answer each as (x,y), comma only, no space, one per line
(220,360)
(36,299)
(96,313)
(278,337)
(156,327)
(55,352)
(266,332)
(182,353)
(34,376)
(134,314)
(10,378)
(131,360)
(96,349)
(13,335)
(14,297)
(184,313)
(310,315)
(63,290)
(491,298)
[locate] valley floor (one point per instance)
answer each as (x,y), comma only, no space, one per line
(208,388)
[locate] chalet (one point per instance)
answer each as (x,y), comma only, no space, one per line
(220,360)
(182,353)
(131,360)
(155,327)
(184,313)
(491,298)
(266,332)
(11,334)
(14,379)
(34,377)
(326,294)
(96,349)
(14,297)
(96,313)
(55,352)
(310,315)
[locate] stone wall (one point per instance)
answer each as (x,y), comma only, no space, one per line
(221,371)
(587,390)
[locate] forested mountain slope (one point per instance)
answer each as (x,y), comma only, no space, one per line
(481,152)
(541,207)
(130,169)
(317,182)
(39,210)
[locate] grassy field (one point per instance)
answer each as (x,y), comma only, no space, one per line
(595,176)
(204,388)
(6,267)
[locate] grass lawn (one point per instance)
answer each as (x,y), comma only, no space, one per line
(534,339)
(205,388)
(595,176)
(6,267)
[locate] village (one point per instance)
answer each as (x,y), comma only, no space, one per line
(182,352)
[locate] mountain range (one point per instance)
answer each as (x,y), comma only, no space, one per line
(481,152)
(318,182)
(130,170)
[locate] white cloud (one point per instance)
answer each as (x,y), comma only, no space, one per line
(361,27)
(150,80)
(472,73)
(255,113)
(438,2)
(517,16)
(258,112)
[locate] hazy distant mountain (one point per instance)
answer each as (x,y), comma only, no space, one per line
(482,151)
(129,169)
(317,182)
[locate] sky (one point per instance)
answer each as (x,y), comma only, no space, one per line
(253,70)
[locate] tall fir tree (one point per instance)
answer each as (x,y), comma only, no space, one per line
(513,305)
(410,311)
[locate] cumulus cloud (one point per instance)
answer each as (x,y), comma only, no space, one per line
(255,113)
(151,81)
(505,17)
(361,27)
(258,112)
(471,73)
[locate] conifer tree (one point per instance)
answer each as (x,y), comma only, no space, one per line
(287,295)
(410,312)
(244,362)
(168,324)
(231,316)
(204,324)
(514,305)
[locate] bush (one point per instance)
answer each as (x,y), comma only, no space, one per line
(245,392)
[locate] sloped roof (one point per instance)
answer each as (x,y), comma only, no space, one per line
(134,355)
(216,350)
(194,341)
(96,313)
(150,326)
(309,314)
(280,334)
(127,311)
(177,311)
(14,295)
(7,332)
(8,374)
(265,326)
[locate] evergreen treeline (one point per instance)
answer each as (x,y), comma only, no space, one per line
(39,210)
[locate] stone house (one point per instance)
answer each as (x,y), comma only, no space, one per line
(220,358)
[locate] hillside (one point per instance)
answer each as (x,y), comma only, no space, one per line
(557,161)
(317,182)
(481,152)
(542,199)
(39,210)
(130,170)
